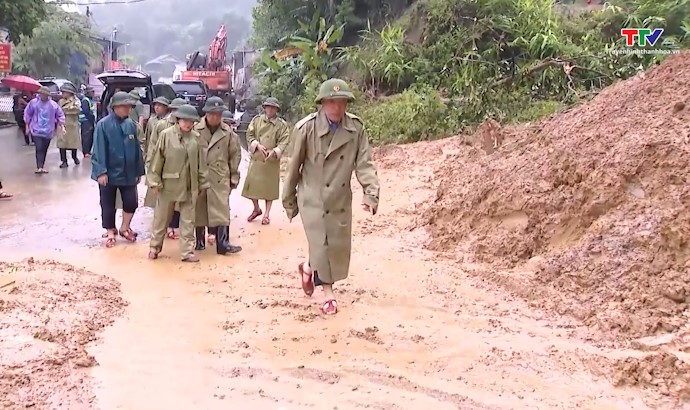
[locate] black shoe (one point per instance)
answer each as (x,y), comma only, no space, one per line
(64,165)
(76,161)
(223,245)
(200,234)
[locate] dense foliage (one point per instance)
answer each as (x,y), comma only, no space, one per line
(447,64)
(19,18)
(49,49)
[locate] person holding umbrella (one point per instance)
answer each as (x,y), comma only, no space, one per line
(43,117)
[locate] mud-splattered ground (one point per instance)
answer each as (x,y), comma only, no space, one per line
(50,313)
(494,321)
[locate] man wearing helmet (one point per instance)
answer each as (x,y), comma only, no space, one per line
(70,139)
(329,146)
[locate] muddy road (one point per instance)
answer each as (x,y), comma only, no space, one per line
(414,331)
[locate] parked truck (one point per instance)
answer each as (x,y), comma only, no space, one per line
(212,69)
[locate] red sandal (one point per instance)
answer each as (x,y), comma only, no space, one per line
(330,307)
(307,285)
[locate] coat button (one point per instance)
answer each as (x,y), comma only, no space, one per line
(341,157)
(328,212)
(343,185)
(342,210)
(328,185)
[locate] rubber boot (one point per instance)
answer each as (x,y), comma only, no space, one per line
(223,245)
(200,234)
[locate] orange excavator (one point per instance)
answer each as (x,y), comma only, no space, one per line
(212,69)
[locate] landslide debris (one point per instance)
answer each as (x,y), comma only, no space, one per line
(49,312)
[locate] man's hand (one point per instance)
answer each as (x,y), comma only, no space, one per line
(272,154)
(103,180)
(26,130)
(156,190)
(233,186)
(262,150)
(138,180)
(62,128)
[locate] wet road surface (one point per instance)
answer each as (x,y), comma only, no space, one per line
(237,332)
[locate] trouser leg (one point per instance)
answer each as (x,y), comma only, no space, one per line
(161,215)
(86,138)
(175,220)
(74,156)
(42,145)
(108,194)
(187,216)
(200,234)
(63,155)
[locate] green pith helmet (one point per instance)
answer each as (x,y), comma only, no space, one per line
(69,88)
(122,98)
(187,112)
(227,116)
(177,103)
(334,88)
(135,94)
(215,104)
(44,90)
(271,102)
(162,101)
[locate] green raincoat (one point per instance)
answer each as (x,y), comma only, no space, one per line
(263,175)
(222,153)
(168,121)
(71,138)
(317,186)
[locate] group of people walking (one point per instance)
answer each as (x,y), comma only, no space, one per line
(191,165)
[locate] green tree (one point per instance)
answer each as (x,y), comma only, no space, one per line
(21,17)
(52,44)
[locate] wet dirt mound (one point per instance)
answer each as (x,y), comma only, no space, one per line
(49,312)
(599,194)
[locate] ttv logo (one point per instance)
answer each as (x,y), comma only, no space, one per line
(644,36)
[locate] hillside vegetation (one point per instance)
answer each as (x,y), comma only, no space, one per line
(430,68)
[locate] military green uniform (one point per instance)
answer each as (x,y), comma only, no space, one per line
(71,138)
(178,169)
(153,120)
(317,184)
(263,175)
(222,153)
(138,110)
(169,121)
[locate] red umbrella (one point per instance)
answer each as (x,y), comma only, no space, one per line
(21,82)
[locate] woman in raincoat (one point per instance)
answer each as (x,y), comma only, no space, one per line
(267,136)
(71,138)
(177,173)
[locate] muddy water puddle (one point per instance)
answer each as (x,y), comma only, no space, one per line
(237,332)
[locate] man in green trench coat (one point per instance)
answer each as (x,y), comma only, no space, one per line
(329,146)
(222,152)
(71,138)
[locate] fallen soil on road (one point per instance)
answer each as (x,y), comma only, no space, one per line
(585,214)
(49,312)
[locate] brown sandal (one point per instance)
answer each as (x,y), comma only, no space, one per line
(129,235)
(153,255)
(172,235)
(5,195)
(192,258)
(266,220)
(308,284)
(254,215)
(110,242)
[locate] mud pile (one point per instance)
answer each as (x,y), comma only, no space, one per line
(49,312)
(596,199)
